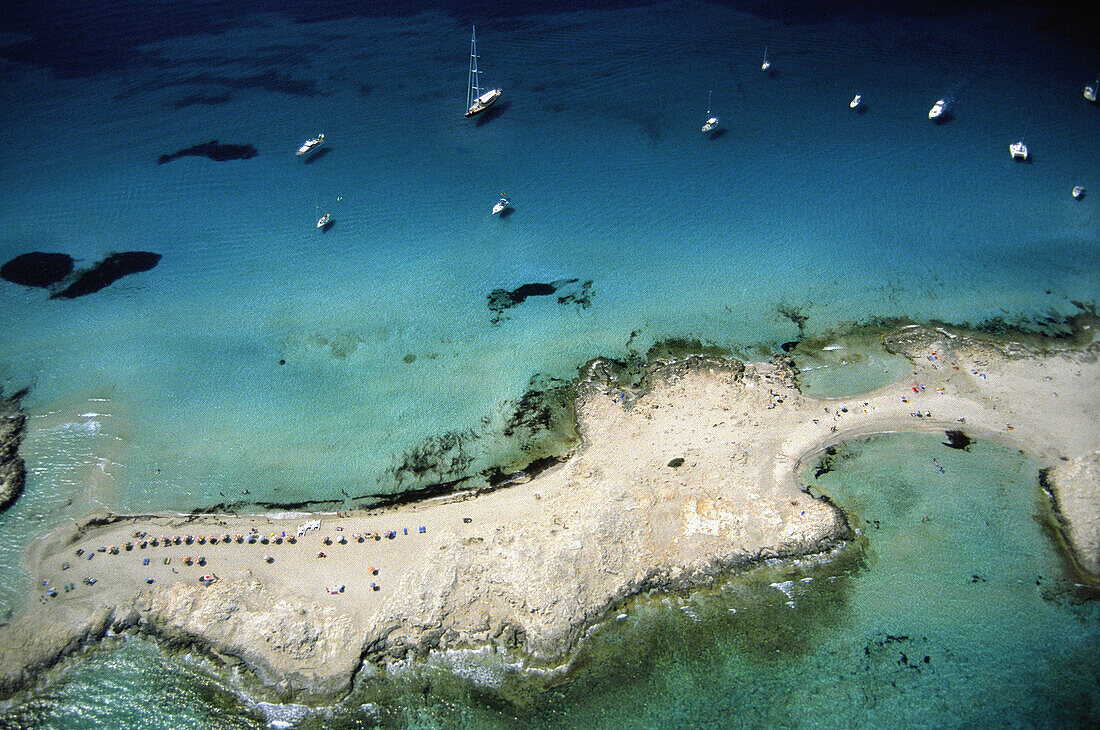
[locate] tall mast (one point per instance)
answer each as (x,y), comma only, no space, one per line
(473,89)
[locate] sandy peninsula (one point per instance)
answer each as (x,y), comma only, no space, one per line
(671,484)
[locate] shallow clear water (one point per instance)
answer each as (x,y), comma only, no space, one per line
(262,361)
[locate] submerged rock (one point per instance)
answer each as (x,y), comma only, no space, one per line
(46,270)
(107,272)
(569,291)
(213,150)
(37,268)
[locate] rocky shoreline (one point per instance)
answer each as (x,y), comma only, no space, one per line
(13,472)
(682,474)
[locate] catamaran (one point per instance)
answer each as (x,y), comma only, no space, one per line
(476,100)
(310,146)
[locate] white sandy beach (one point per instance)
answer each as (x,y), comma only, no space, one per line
(696,476)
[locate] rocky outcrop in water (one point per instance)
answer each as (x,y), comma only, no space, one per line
(13,472)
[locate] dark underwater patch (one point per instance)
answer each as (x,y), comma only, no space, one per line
(201,99)
(214,151)
(957,440)
(108,271)
(570,291)
(37,268)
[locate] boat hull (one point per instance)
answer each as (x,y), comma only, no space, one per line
(310,146)
(483,102)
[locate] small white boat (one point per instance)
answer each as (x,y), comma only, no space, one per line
(856,101)
(1018,150)
(937,109)
(1079,192)
(477,101)
(1090,91)
(501,205)
(767,64)
(310,146)
(324,220)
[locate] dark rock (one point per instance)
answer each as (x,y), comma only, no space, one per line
(677,462)
(37,268)
(108,271)
(214,151)
(13,472)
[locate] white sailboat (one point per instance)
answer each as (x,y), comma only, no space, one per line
(476,100)
(767,64)
(711,125)
(324,221)
(856,101)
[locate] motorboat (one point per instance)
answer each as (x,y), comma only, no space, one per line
(1090,90)
(501,205)
(1079,192)
(856,101)
(477,100)
(324,221)
(937,110)
(1018,150)
(310,146)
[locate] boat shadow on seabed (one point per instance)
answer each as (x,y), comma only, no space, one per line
(492,112)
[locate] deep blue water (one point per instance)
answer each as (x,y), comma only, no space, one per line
(262,355)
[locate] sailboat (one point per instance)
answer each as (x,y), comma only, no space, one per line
(767,64)
(476,101)
(711,125)
(1090,90)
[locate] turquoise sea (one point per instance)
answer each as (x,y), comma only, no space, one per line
(264,364)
